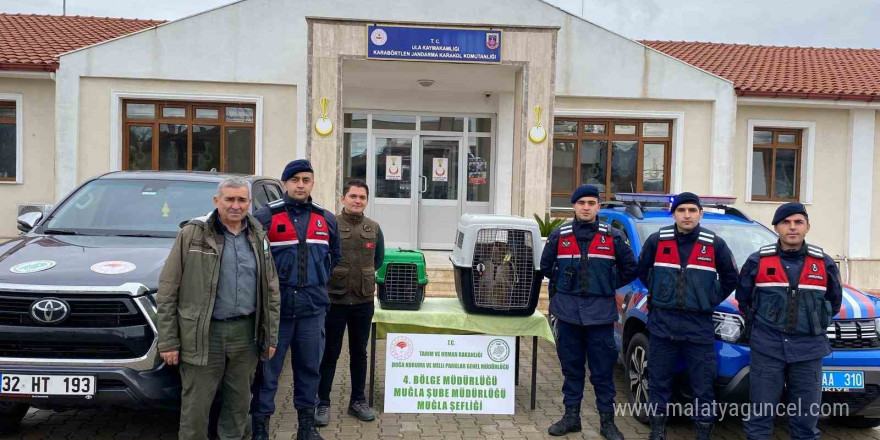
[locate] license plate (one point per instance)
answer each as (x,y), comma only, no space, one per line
(843,381)
(44,385)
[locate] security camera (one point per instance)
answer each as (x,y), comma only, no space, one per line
(487,94)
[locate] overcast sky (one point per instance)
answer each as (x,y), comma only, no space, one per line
(818,23)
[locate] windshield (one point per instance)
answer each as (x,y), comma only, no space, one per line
(742,239)
(141,207)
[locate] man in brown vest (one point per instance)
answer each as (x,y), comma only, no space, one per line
(351,288)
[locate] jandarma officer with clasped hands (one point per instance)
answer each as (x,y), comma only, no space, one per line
(790,289)
(586,261)
(688,271)
(304,240)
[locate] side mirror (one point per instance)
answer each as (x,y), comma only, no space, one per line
(28,220)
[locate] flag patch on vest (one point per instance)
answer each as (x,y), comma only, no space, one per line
(371,245)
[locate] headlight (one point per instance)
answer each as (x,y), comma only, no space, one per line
(728,326)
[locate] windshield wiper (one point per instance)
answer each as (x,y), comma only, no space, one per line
(60,232)
(138,235)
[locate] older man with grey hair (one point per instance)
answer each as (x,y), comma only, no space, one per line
(218,306)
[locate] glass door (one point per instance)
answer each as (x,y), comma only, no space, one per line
(439,191)
(395,189)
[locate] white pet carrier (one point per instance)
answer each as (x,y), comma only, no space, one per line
(497,264)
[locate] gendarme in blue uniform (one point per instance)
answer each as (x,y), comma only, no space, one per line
(675,325)
(582,299)
(305,246)
(782,356)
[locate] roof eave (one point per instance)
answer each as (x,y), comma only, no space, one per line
(801,95)
(50,67)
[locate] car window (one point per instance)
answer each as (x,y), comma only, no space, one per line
(141,206)
(259,196)
(743,239)
(273,191)
(616,224)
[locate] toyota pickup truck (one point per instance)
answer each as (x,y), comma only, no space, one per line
(78,292)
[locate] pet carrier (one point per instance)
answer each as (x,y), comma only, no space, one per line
(497,264)
(402,279)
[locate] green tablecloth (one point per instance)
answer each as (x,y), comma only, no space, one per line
(446,316)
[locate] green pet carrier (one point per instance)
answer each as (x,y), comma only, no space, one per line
(402,280)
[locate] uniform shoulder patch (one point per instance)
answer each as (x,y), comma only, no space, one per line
(276,206)
(815,251)
(767,250)
(316,205)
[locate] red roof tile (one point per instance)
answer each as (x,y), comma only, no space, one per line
(33,42)
(785,72)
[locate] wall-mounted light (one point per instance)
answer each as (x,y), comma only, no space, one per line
(425,82)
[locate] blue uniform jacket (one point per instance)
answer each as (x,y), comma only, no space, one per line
(308,300)
(773,342)
(679,324)
(583,310)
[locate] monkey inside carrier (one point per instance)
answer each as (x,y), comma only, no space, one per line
(402,280)
(497,264)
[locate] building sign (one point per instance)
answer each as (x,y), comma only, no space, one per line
(441,170)
(434,44)
(472,374)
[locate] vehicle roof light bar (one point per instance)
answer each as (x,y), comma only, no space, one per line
(669,198)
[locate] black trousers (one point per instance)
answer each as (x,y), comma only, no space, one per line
(358,318)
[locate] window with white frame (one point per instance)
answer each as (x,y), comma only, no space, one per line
(8,142)
(776,164)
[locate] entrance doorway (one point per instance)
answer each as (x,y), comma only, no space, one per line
(424,172)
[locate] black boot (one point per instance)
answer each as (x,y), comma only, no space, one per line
(658,428)
(259,428)
(306,429)
(571,421)
(704,430)
(607,428)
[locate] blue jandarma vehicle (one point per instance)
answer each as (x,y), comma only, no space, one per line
(851,373)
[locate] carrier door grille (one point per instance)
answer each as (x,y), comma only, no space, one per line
(503,269)
(401,282)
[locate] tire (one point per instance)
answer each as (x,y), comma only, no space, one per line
(857,422)
(635,366)
(11,415)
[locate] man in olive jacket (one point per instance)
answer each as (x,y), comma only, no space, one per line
(218,311)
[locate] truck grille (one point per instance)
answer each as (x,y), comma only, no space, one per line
(66,350)
(853,334)
(854,401)
(99,327)
(104,312)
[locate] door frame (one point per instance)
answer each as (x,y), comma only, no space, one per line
(461,177)
(416,135)
(415,164)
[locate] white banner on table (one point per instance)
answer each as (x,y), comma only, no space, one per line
(471,374)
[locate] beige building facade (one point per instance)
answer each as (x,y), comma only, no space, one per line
(214,91)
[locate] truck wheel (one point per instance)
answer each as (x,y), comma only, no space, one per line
(858,422)
(635,366)
(11,415)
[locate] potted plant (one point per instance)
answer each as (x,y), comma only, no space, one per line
(547,225)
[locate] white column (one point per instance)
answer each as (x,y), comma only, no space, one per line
(721,156)
(67,126)
(503,175)
(860,183)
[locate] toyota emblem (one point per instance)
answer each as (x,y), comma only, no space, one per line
(49,310)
